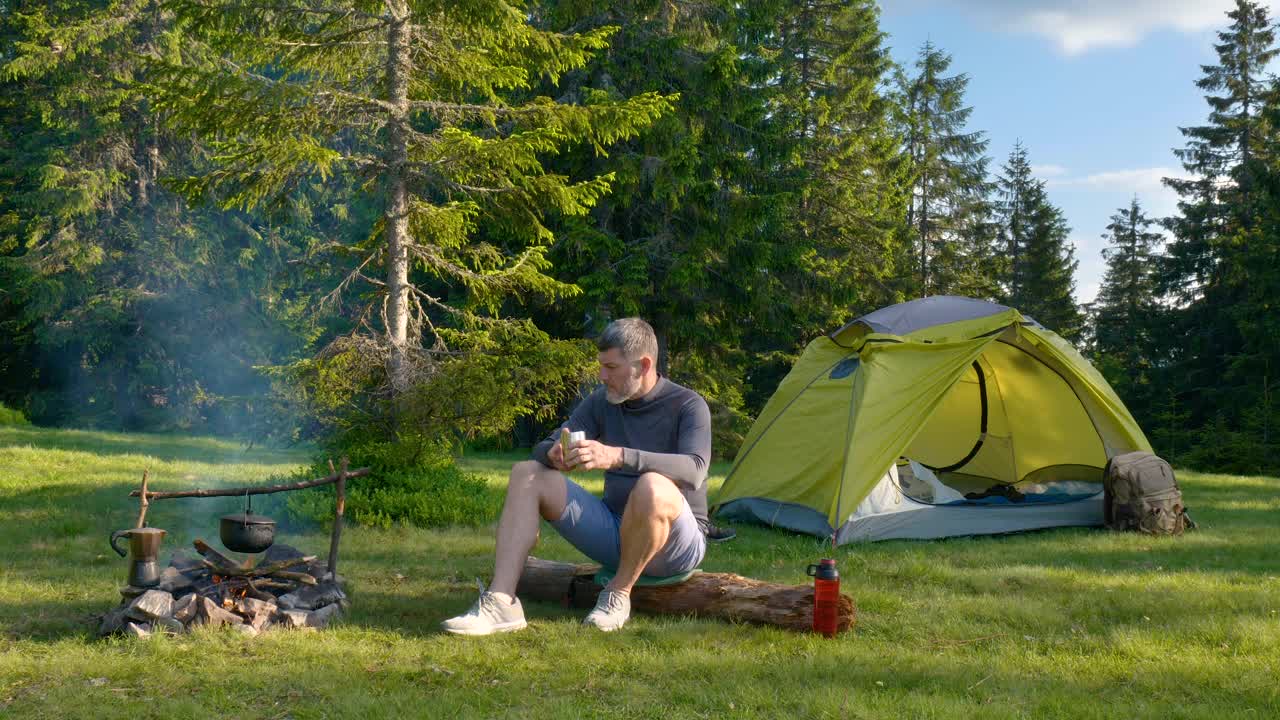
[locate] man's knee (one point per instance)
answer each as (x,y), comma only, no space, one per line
(658,494)
(531,475)
(532,479)
(527,467)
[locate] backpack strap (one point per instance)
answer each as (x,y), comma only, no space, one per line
(1108,513)
(1186,518)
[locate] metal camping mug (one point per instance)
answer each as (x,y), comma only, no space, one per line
(567,439)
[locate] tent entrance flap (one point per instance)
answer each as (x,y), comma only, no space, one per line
(1034,421)
(982,425)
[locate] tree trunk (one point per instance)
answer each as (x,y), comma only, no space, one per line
(397,203)
(664,359)
(924,233)
(146,143)
(719,595)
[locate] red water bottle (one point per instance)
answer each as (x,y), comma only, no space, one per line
(826,596)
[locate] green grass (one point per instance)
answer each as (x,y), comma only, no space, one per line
(1069,623)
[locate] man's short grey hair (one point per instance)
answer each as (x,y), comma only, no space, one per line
(632,336)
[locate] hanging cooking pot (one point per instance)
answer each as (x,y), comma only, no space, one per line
(245,532)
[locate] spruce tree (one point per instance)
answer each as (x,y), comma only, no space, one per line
(681,205)
(1227,155)
(1016,191)
(839,147)
(1219,271)
(947,165)
(835,246)
(684,206)
(1048,262)
(1126,311)
(425,107)
(970,264)
(770,200)
(1037,265)
(109,283)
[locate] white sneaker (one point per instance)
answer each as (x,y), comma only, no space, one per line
(611,611)
(487,616)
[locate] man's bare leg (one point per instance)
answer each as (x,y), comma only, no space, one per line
(654,504)
(533,491)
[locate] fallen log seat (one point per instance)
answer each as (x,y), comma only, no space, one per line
(720,595)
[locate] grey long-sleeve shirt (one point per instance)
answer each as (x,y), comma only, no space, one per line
(668,431)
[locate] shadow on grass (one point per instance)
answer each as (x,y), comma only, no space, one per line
(53,621)
(52,513)
(163,447)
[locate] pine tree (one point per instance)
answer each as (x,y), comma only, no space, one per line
(843,155)
(683,207)
(425,108)
(1126,311)
(1016,188)
(1037,262)
(767,200)
(1226,156)
(1220,266)
(948,165)
(105,272)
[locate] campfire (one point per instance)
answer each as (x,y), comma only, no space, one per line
(281,588)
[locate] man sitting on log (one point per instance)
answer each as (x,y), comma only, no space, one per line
(652,438)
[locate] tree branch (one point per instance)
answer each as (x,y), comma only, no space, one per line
(335,295)
(294,9)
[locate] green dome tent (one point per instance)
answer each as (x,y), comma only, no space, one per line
(1006,427)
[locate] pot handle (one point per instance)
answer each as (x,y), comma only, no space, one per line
(115,537)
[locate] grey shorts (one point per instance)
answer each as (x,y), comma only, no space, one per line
(589,525)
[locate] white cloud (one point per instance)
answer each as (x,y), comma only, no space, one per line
(1144,178)
(1048,171)
(1146,183)
(1077,26)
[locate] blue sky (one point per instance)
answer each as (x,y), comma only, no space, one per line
(1095,89)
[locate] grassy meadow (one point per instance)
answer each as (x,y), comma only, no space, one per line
(1071,623)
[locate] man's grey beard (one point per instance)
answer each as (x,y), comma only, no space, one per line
(629,391)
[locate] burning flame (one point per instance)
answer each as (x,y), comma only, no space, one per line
(229,594)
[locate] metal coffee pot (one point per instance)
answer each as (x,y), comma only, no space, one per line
(144,548)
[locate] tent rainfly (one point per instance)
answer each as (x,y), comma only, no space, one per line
(938,417)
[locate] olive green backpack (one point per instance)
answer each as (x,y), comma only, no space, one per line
(1140,493)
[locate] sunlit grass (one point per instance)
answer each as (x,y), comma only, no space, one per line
(1072,623)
